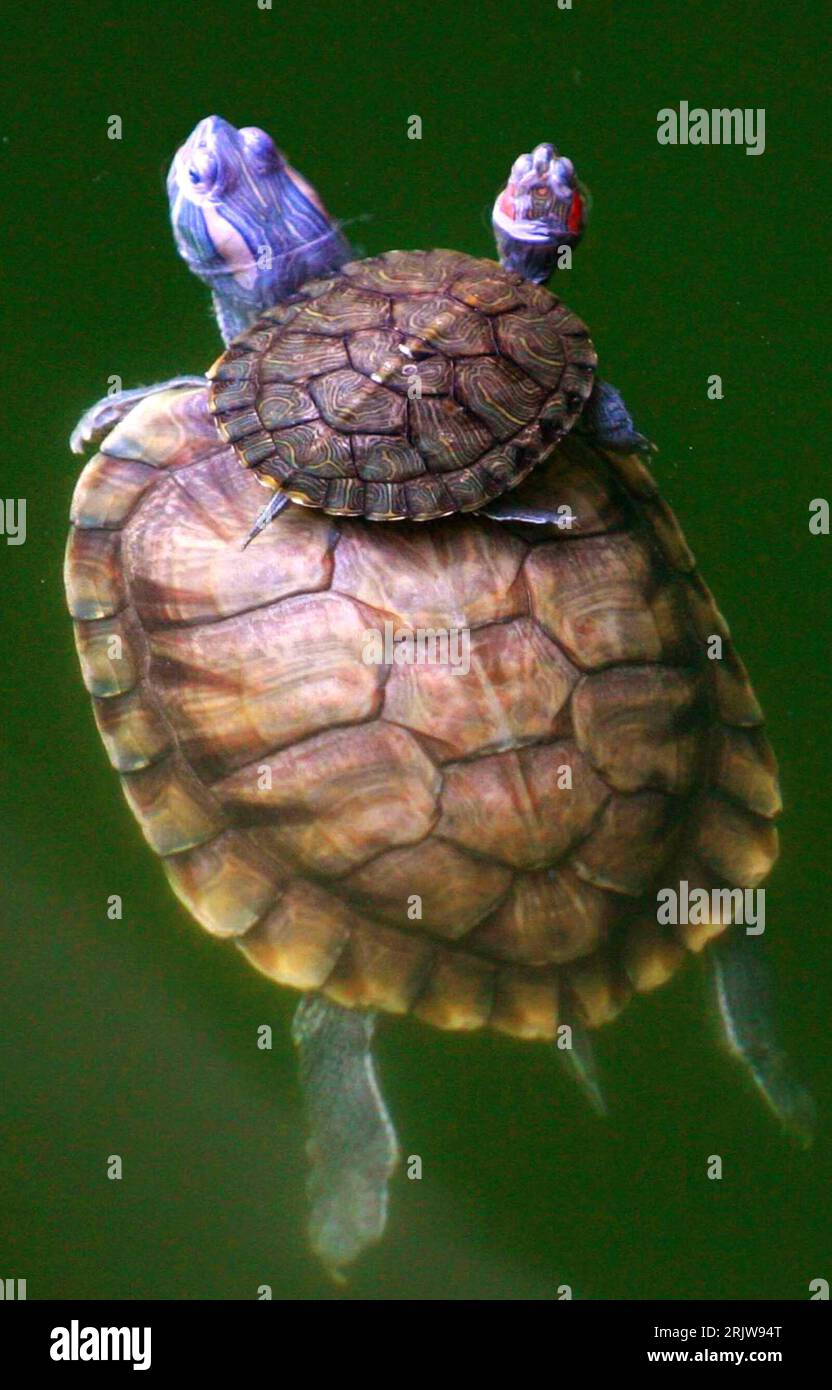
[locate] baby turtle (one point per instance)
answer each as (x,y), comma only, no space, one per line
(477,830)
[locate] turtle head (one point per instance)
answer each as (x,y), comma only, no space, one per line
(540,210)
(246,222)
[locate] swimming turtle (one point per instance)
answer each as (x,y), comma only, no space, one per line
(444,736)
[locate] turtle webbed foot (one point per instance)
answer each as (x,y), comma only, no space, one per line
(351,1145)
(742,984)
(97,422)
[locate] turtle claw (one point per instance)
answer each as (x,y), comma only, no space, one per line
(580,1061)
(742,985)
(95,424)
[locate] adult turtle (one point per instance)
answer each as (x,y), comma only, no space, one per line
(482,843)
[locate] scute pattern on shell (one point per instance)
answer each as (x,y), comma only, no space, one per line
(301,796)
(317,397)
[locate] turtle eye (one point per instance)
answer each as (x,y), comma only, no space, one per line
(565,171)
(260,148)
(203,170)
(521,166)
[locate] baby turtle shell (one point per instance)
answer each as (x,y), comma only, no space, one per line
(408,386)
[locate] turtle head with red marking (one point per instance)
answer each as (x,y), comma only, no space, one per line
(540,210)
(246,222)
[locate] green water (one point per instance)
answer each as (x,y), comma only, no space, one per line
(137,1037)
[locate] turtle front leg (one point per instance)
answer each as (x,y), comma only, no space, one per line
(742,984)
(609,423)
(97,422)
(351,1141)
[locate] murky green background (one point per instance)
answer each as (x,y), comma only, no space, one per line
(137,1037)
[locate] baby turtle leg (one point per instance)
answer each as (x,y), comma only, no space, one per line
(273,507)
(606,418)
(742,984)
(607,421)
(351,1141)
(579,1060)
(96,422)
(505,508)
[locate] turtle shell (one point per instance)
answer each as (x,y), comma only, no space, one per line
(411,385)
(479,843)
